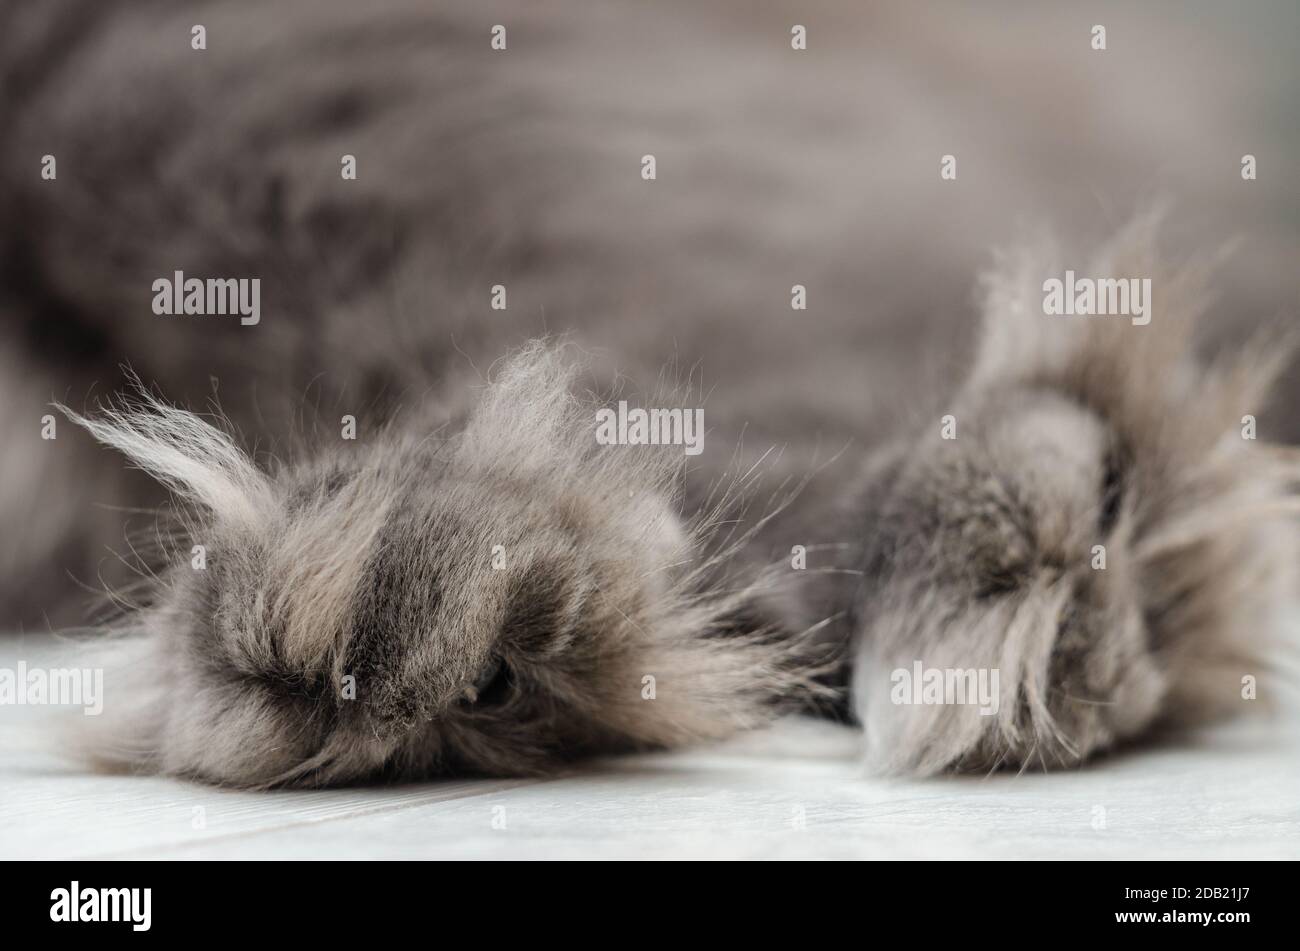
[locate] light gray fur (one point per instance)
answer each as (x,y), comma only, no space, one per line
(979,550)
(372,558)
(516,556)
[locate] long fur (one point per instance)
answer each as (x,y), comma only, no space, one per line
(1074,433)
(349,623)
(972,553)
(347,612)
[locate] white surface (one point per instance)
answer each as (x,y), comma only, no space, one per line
(793,791)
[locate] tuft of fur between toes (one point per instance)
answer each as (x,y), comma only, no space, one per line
(502,600)
(1103,546)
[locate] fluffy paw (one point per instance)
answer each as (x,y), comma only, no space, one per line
(1098,548)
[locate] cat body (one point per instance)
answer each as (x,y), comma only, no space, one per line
(420,557)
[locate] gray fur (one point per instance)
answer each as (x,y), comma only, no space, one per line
(331,559)
(980,549)
(378,573)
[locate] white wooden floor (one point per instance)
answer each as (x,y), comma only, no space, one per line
(793,791)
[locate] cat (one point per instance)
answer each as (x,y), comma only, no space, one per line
(978,550)
(474,584)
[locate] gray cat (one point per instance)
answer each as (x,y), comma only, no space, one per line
(475,583)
